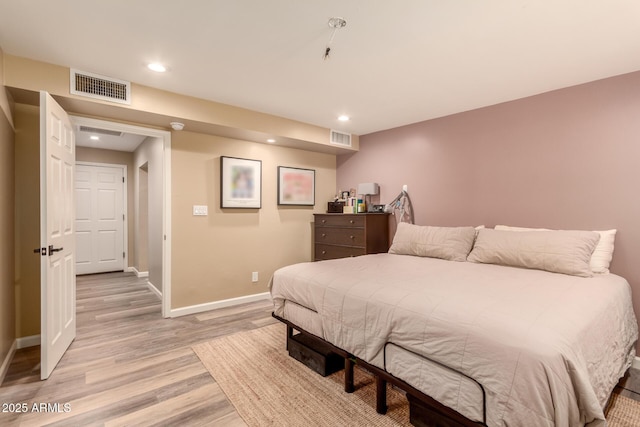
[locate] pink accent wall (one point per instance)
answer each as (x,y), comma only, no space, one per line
(566,159)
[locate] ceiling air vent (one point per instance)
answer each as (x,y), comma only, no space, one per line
(100,87)
(99,131)
(340,138)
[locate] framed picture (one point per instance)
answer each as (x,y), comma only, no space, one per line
(296,187)
(240,183)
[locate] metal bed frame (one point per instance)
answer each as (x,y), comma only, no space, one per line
(437,413)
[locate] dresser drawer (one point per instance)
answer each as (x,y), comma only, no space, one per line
(333,252)
(348,235)
(340,220)
(340,236)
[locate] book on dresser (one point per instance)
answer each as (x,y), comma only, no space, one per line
(345,235)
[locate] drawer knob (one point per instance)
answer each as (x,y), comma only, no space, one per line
(352,237)
(324,220)
(324,252)
(324,235)
(351,221)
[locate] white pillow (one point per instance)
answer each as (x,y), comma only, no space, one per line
(602,254)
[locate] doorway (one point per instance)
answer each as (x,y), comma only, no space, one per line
(151,175)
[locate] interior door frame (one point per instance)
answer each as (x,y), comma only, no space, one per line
(125,206)
(166,193)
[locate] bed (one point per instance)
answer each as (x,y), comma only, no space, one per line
(498,340)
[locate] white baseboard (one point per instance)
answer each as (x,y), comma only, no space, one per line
(140,273)
(29,341)
(7,361)
(154,289)
(199,308)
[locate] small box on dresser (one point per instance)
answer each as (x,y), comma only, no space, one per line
(347,235)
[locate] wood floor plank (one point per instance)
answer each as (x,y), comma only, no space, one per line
(103,374)
(183,404)
(230,311)
(130,312)
(123,393)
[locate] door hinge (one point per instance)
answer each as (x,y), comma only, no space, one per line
(122,255)
(123,217)
(123,179)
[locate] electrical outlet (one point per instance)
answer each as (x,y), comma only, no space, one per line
(254,276)
(405,188)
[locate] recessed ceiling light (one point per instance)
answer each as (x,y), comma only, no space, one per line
(157,67)
(94,138)
(271,140)
(344,118)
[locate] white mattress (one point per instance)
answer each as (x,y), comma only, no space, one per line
(547,347)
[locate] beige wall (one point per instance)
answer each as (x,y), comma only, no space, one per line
(7,260)
(567,159)
(27,225)
(150,155)
(214,255)
(95,155)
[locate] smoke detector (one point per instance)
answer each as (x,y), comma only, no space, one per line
(177,125)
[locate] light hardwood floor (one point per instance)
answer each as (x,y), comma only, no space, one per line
(129,366)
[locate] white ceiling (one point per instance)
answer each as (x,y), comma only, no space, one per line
(394,63)
(107,140)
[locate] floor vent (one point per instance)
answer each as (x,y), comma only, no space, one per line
(100,87)
(340,138)
(99,131)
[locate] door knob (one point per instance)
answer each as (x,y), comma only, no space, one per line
(52,249)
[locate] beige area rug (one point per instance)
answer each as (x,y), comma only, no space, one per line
(269,388)
(623,412)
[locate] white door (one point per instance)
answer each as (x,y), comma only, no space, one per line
(58,276)
(99,218)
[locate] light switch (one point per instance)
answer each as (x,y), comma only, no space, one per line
(200,210)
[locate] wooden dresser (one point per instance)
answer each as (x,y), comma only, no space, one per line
(346,235)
